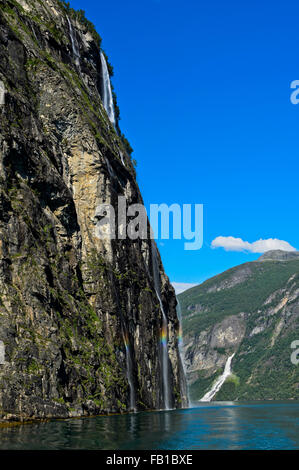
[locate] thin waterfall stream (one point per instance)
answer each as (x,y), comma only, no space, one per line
(129,365)
(75,47)
(164,331)
(107,96)
(184,385)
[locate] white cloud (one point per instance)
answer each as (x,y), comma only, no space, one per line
(180,287)
(260,246)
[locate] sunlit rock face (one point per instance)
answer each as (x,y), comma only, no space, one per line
(68,296)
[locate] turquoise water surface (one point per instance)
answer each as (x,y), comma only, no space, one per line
(222,425)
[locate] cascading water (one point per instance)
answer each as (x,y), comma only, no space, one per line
(164,330)
(129,361)
(110,169)
(122,157)
(2,353)
(2,93)
(129,365)
(218,384)
(107,96)
(183,380)
(75,47)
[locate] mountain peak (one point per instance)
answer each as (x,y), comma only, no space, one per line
(279,255)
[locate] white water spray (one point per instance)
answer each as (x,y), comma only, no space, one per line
(107,96)
(164,332)
(219,382)
(75,47)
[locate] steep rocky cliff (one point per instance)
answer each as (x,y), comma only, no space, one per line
(251,310)
(80,321)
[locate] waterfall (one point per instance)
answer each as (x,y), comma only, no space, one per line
(129,365)
(2,93)
(122,157)
(219,382)
(75,47)
(183,380)
(110,169)
(2,353)
(164,330)
(107,97)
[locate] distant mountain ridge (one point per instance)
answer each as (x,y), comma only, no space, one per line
(279,255)
(251,310)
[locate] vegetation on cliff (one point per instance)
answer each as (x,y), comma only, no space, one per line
(253,310)
(68,297)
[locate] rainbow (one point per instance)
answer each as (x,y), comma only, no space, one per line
(126,340)
(163,335)
(180,335)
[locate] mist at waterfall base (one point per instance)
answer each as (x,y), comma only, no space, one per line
(211,426)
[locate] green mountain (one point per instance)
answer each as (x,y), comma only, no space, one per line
(251,310)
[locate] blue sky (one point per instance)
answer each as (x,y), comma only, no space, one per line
(204,93)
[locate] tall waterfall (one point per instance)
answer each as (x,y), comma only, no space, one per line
(164,331)
(75,47)
(107,96)
(2,353)
(129,365)
(183,380)
(2,93)
(218,384)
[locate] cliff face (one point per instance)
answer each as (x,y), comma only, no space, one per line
(79,318)
(251,310)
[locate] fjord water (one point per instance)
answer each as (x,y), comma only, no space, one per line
(226,425)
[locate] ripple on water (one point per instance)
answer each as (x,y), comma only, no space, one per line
(227,425)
